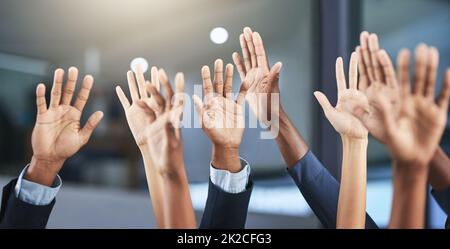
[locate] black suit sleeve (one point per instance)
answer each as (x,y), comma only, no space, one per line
(225,210)
(16,213)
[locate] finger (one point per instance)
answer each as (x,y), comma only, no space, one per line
(56,88)
(388,68)
(132,86)
(363,83)
(70,86)
(374,47)
(179,89)
(403,71)
(239,66)
(324,103)
(445,92)
(198,105)
(123,98)
(147,108)
(364,40)
(340,76)
(83,94)
(261,57)
(228,86)
(156,96)
(274,72)
(248,35)
(245,53)
(141,82)
(207,84)
(353,71)
(420,68)
(218,77)
(164,80)
(41,103)
(433,62)
(241,95)
(176,116)
(155,78)
(93,121)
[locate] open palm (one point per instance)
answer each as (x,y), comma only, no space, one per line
(152,119)
(259,82)
(222,118)
(407,121)
(57,134)
(342,120)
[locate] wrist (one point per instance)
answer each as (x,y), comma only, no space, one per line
(226,158)
(410,171)
(43,171)
(358,141)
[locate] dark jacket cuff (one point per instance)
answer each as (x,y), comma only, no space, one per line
(225,210)
(16,213)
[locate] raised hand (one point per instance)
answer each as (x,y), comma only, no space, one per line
(259,81)
(57,134)
(413,124)
(155,124)
(221,116)
(376,77)
(342,120)
(153,118)
(351,210)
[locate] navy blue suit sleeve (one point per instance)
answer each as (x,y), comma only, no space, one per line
(16,213)
(225,210)
(442,197)
(320,190)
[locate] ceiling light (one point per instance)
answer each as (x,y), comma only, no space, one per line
(139,61)
(219,35)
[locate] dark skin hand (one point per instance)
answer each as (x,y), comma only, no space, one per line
(57,134)
(259,78)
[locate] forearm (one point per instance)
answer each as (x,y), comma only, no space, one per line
(439,175)
(351,211)
(178,210)
(154,186)
(291,144)
(408,204)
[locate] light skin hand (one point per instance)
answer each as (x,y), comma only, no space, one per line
(221,116)
(154,122)
(351,210)
(57,134)
(259,79)
(342,120)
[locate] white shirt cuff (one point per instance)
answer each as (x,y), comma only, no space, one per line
(34,193)
(231,182)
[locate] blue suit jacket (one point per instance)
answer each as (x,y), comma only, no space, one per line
(320,189)
(443,199)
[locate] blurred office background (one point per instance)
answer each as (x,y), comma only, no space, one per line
(104,184)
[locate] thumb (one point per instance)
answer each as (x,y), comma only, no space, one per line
(90,125)
(323,101)
(198,104)
(274,73)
